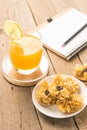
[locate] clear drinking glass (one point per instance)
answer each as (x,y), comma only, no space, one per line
(26,53)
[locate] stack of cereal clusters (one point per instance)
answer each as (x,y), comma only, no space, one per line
(62,91)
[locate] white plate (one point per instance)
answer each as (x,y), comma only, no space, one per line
(52,110)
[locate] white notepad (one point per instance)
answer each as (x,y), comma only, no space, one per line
(56,32)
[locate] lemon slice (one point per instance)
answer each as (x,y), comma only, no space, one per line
(12,29)
(18,49)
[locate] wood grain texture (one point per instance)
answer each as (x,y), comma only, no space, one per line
(82,5)
(17,111)
(41,10)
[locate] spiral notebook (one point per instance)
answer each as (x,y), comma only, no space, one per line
(60,29)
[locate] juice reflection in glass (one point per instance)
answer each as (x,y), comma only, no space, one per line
(25,53)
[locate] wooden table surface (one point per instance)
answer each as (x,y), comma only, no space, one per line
(17,111)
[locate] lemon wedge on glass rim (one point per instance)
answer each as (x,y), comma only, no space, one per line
(12,29)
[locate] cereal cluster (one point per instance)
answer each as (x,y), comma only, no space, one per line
(80,71)
(62,91)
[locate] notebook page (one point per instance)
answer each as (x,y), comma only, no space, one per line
(62,28)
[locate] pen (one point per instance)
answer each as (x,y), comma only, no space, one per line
(75,34)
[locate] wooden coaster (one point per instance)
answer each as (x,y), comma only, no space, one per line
(16,78)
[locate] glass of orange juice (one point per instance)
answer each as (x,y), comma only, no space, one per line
(25,51)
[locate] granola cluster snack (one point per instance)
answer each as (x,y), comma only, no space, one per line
(62,91)
(80,72)
(43,95)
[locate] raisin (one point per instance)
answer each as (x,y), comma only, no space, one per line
(46,92)
(84,70)
(59,88)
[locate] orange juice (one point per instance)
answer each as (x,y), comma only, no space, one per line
(26,52)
